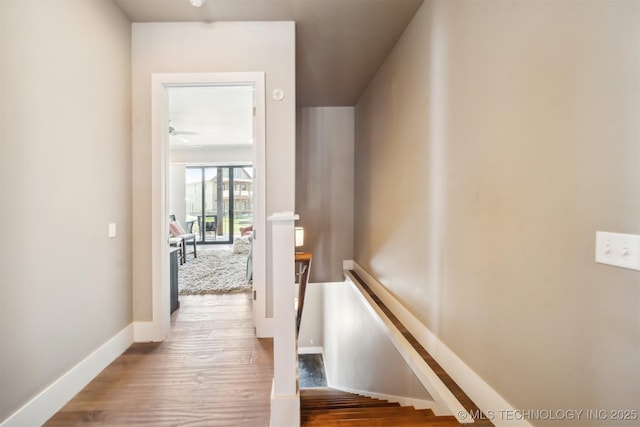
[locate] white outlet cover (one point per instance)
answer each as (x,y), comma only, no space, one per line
(618,249)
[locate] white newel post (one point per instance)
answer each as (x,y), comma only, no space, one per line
(285,396)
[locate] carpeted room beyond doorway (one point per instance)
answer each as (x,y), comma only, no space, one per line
(216,270)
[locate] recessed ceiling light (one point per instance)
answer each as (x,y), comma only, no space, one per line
(196,3)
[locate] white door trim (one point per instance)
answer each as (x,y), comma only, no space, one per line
(159,201)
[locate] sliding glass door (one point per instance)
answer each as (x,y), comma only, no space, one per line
(219,201)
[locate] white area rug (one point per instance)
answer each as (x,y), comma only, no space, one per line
(215,271)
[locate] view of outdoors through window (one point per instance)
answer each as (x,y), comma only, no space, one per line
(219,201)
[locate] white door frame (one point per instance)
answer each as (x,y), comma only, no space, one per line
(159,200)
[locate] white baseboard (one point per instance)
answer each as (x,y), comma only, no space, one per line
(265,328)
(146,332)
(484,396)
(285,410)
(43,406)
(310,350)
(403,401)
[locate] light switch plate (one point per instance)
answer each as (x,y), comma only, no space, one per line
(112,229)
(620,250)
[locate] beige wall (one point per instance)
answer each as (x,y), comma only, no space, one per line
(210,47)
(493,143)
(324,187)
(65,287)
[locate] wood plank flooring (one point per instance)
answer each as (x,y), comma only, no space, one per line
(212,371)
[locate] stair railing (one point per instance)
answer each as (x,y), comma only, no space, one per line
(285,395)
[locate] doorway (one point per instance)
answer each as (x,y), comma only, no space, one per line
(190,138)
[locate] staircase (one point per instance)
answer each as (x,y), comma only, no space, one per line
(328,407)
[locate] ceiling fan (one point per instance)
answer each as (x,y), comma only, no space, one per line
(174,132)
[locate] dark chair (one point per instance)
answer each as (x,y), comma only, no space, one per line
(210,224)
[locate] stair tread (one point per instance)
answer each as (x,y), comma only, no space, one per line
(385,422)
(337,405)
(326,407)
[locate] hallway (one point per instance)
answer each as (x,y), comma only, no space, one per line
(212,371)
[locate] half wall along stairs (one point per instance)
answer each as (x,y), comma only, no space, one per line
(326,407)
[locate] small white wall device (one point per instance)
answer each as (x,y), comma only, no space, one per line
(621,250)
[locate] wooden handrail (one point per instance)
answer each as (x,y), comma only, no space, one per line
(437,382)
(303,259)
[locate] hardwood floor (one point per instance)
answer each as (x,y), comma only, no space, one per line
(212,371)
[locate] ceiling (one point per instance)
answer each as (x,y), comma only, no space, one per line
(202,116)
(340,44)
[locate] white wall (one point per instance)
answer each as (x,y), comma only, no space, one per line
(65,120)
(324,187)
(177,192)
(210,47)
(491,145)
(358,355)
(311,334)
(228,154)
